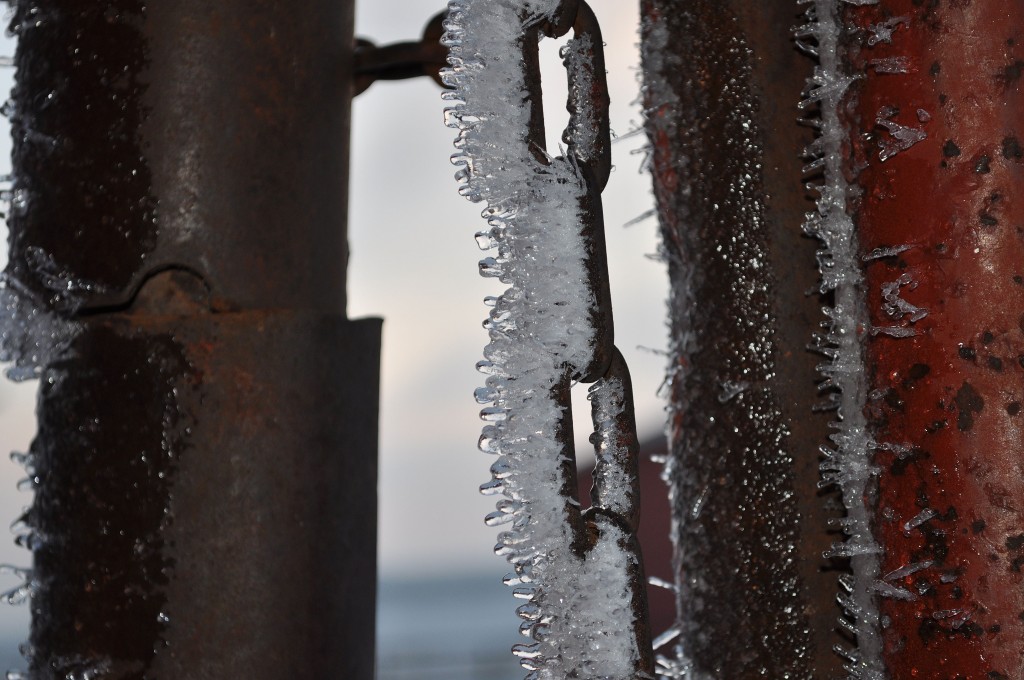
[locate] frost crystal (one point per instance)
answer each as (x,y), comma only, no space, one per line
(31,335)
(848,461)
(578,611)
(902,137)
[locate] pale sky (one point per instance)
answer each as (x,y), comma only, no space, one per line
(414,262)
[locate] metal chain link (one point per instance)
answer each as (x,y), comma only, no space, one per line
(615,494)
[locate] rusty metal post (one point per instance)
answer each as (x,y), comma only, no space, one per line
(756,598)
(206,459)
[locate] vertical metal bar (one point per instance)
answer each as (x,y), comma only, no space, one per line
(206,459)
(722,86)
(936,124)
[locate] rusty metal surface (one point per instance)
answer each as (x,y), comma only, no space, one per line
(211,136)
(397,61)
(206,505)
(206,459)
(946,352)
(756,598)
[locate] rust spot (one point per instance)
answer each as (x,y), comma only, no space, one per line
(1012,149)
(1011,73)
(969,403)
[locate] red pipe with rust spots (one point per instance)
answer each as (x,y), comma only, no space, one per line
(936,128)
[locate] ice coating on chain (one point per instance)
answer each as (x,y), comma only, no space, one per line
(848,461)
(578,609)
(585,130)
(616,492)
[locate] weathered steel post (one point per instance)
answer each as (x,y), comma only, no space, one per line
(206,460)
(935,123)
(750,524)
(920,149)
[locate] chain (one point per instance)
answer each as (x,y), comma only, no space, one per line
(540,318)
(425,57)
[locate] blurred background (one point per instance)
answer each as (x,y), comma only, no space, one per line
(442,612)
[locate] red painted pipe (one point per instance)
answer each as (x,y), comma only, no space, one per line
(936,128)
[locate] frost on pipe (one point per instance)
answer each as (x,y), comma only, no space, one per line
(848,460)
(209,357)
(937,142)
(756,598)
(579,573)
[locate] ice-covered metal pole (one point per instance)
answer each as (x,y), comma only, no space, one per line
(756,598)
(205,468)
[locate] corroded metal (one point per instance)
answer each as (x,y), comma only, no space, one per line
(205,466)
(936,122)
(756,598)
(397,61)
(205,504)
(191,134)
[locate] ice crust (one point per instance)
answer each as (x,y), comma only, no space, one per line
(34,331)
(578,602)
(848,461)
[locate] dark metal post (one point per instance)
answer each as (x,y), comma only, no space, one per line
(750,526)
(206,459)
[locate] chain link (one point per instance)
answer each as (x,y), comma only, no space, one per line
(580,571)
(615,494)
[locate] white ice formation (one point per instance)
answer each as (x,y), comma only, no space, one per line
(849,459)
(578,611)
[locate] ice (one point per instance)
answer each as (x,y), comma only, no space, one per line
(892,251)
(919,519)
(908,569)
(901,138)
(893,331)
(698,505)
(882,32)
(666,637)
(946,613)
(895,306)
(542,334)
(583,135)
(31,336)
(892,592)
(662,583)
(891,65)
(732,389)
(848,461)
(615,474)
